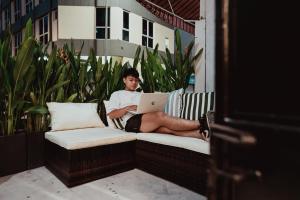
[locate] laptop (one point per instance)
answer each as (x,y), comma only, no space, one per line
(151,102)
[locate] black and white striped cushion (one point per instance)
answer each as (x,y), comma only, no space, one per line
(173,105)
(195,105)
(113,123)
(118,124)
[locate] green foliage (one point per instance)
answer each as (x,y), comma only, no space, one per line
(46,83)
(34,77)
(16,75)
(180,69)
(155,77)
(163,73)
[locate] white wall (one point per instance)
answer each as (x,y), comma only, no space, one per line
(160,33)
(205,38)
(77,22)
(135,28)
(200,65)
(71,24)
(116,23)
(36,30)
(54,27)
(210,45)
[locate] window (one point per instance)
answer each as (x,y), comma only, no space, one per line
(6,17)
(18,41)
(100,23)
(147,37)
(17,7)
(125,26)
(43,29)
(167,43)
(28,5)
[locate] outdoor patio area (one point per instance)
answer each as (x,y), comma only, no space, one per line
(149,100)
(40,184)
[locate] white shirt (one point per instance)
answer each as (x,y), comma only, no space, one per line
(121,99)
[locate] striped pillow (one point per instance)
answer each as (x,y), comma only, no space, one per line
(173,105)
(117,123)
(113,123)
(195,105)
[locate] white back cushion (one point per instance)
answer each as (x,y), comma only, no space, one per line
(173,106)
(66,116)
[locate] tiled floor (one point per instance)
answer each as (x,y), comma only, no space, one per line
(40,184)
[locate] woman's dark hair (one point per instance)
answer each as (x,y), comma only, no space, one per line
(130,72)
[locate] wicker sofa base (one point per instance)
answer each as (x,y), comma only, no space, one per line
(74,167)
(180,166)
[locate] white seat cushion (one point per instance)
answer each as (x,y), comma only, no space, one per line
(88,137)
(189,143)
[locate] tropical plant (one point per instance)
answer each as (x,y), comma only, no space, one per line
(33,77)
(75,70)
(183,66)
(46,82)
(17,74)
(165,73)
(97,77)
(114,80)
(154,75)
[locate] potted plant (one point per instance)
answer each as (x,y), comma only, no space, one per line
(16,74)
(49,78)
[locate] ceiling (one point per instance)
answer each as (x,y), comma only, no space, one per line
(187,9)
(175,12)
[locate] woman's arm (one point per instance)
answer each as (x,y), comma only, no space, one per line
(120,112)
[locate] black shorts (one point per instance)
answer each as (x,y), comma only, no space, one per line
(133,124)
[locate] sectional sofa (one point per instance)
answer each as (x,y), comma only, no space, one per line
(81,155)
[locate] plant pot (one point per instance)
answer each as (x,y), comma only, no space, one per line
(35,150)
(12,154)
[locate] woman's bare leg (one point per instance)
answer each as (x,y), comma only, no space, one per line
(194,133)
(154,120)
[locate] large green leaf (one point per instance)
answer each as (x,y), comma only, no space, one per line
(55,87)
(28,30)
(137,57)
(23,60)
(71,98)
(49,64)
(37,110)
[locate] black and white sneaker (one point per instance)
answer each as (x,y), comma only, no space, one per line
(204,129)
(210,119)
